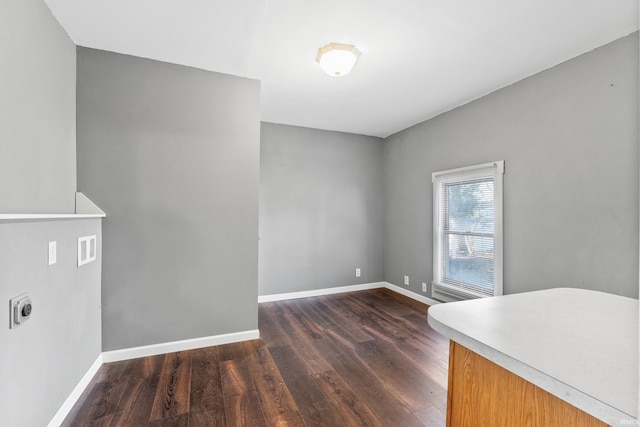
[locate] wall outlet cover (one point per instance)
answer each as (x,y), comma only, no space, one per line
(86,250)
(358,272)
(406,280)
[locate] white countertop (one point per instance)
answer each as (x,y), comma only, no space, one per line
(580,345)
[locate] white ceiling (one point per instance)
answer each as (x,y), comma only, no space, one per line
(419,57)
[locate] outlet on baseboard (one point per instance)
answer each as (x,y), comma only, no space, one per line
(424,287)
(406,280)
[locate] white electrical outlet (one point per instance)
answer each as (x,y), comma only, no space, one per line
(53,252)
(357,272)
(424,287)
(86,250)
(406,280)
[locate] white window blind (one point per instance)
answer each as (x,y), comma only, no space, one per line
(467,260)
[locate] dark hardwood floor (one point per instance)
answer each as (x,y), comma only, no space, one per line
(362,358)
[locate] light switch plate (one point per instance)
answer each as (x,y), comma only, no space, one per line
(53,252)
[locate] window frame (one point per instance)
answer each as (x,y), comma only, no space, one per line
(495,170)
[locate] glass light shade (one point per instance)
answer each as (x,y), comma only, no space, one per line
(337,59)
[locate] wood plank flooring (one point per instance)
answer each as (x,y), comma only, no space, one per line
(365,358)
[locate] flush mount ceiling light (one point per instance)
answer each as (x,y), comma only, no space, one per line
(337,59)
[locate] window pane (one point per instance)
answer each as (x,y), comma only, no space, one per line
(467,256)
(469,260)
(469,207)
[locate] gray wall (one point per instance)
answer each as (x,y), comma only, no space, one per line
(37,111)
(45,358)
(569,138)
(320,209)
(171,154)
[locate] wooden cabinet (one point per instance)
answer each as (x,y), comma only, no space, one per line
(483,394)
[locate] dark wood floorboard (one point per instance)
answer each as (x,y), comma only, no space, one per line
(278,406)
(365,358)
(207,400)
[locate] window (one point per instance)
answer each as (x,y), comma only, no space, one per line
(467,232)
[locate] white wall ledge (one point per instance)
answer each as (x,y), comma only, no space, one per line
(85,208)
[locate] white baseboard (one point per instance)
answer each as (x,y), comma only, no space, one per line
(412,295)
(144,351)
(170,347)
(66,407)
(318,292)
(190,344)
(351,288)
